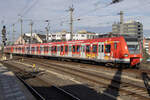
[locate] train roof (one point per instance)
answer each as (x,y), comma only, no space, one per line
(78,41)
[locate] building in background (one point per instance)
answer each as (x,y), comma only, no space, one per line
(65,36)
(146,44)
(131,29)
(26,38)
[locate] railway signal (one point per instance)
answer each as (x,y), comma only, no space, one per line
(4,39)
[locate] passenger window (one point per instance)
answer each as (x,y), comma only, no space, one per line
(41,48)
(69,48)
(61,48)
(108,48)
(73,48)
(58,48)
(115,45)
(66,48)
(83,48)
(94,49)
(99,48)
(49,48)
(102,49)
(88,48)
(78,48)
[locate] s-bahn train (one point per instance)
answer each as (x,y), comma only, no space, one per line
(114,50)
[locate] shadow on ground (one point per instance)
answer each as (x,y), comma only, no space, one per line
(146,80)
(83,92)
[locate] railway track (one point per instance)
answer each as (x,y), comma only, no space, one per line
(89,65)
(114,83)
(57,93)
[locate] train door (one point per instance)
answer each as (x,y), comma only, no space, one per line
(73,50)
(115,50)
(62,50)
(55,50)
(107,51)
(49,50)
(32,50)
(88,51)
(94,51)
(83,51)
(66,50)
(41,50)
(70,50)
(101,50)
(78,47)
(23,49)
(58,50)
(45,50)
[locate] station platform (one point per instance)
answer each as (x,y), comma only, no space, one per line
(11,87)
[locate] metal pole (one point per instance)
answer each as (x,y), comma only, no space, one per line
(13,35)
(31,32)
(46,34)
(71,21)
(121,23)
(21,21)
(3,42)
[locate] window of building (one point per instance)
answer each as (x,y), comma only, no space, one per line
(108,48)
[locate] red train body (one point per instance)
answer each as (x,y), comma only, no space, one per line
(109,50)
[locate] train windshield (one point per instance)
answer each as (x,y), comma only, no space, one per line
(134,49)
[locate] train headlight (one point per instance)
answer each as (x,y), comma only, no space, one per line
(126,55)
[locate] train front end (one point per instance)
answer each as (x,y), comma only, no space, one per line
(135,53)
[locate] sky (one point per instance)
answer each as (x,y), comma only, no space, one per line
(95,15)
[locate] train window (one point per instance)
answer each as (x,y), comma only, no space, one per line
(36,48)
(73,48)
(58,48)
(78,48)
(108,48)
(46,48)
(41,48)
(94,49)
(83,48)
(88,48)
(55,48)
(69,48)
(115,45)
(99,48)
(102,49)
(49,48)
(61,48)
(66,48)
(52,49)
(32,49)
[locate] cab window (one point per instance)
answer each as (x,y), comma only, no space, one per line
(108,48)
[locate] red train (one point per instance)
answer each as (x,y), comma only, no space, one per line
(113,50)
